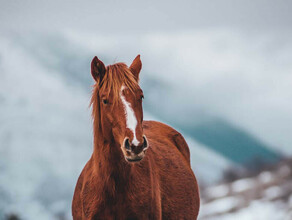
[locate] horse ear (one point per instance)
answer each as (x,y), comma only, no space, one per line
(136,67)
(97,69)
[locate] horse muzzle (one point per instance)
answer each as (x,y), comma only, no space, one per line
(134,153)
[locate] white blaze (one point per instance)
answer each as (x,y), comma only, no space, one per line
(131,119)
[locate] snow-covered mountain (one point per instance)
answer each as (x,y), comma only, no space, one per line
(45,125)
(167,96)
(45,133)
(45,136)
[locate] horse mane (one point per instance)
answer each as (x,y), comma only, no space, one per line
(116,76)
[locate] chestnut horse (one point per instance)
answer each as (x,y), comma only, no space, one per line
(138,169)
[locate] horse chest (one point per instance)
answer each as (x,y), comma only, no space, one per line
(140,205)
(138,200)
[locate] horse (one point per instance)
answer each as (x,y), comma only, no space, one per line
(138,169)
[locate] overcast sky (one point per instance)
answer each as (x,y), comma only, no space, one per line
(143,16)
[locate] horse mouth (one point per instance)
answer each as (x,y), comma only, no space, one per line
(137,159)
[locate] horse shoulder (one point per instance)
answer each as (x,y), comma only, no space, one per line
(77,202)
(82,204)
(157,128)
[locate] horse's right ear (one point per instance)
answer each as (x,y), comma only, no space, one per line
(97,69)
(136,67)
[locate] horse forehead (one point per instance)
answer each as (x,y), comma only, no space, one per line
(127,95)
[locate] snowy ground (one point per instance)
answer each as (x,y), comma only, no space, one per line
(267,195)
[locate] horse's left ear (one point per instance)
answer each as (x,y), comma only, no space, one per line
(136,67)
(97,69)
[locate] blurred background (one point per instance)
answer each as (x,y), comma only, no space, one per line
(220,72)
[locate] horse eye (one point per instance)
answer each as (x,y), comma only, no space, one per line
(105,101)
(142,97)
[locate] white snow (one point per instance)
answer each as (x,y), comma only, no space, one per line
(220,206)
(257,210)
(243,185)
(266,177)
(273,192)
(217,191)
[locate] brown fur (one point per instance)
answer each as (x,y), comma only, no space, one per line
(161,186)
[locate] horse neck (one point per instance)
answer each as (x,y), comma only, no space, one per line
(109,162)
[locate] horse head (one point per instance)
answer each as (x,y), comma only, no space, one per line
(117,107)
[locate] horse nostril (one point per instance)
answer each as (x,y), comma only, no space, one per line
(127,144)
(145,144)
